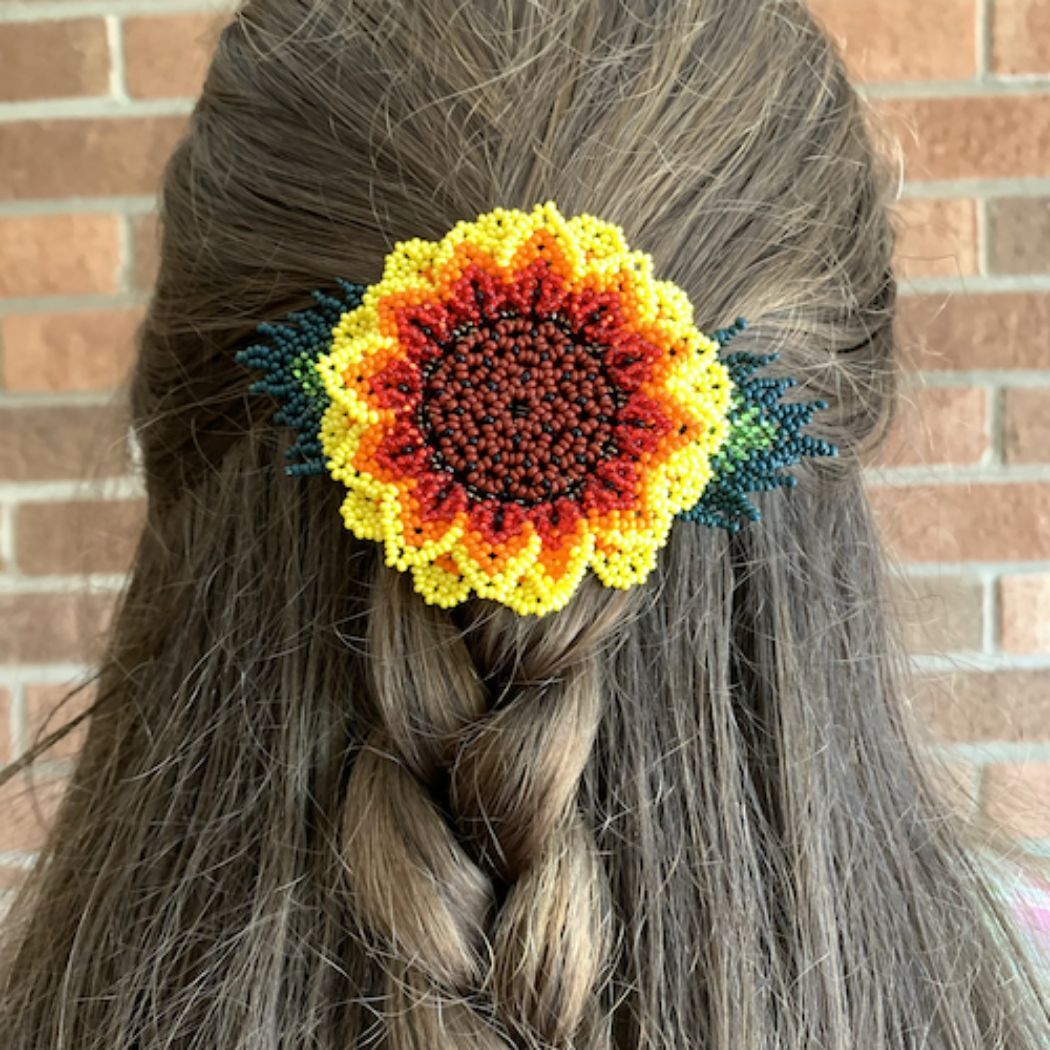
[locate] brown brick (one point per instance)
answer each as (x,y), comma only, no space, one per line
(27,810)
(145,247)
(1017,796)
(994,522)
(47,628)
(121,155)
(5,725)
(969,332)
(1026,433)
(47,710)
(1019,235)
(938,425)
(53,59)
(77,537)
(50,442)
(1024,614)
(1007,706)
(941,614)
(168,56)
(59,254)
(89,350)
(997,136)
(936,238)
(903,40)
(1021,36)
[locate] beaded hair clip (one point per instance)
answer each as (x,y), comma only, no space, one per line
(521,401)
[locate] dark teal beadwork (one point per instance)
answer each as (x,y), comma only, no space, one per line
(287,357)
(765,434)
(765,439)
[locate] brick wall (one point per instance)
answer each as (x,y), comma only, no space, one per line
(93,94)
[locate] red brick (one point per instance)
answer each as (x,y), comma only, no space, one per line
(46,712)
(971,332)
(941,614)
(938,425)
(59,255)
(1019,235)
(145,247)
(1006,706)
(1026,433)
(121,155)
(996,136)
(936,238)
(5,725)
(1024,614)
(1017,796)
(168,56)
(52,442)
(1021,36)
(87,350)
(53,59)
(903,40)
(77,537)
(27,811)
(986,522)
(51,628)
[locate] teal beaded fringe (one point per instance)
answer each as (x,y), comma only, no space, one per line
(764,440)
(765,436)
(287,358)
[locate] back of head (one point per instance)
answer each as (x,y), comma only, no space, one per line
(314,811)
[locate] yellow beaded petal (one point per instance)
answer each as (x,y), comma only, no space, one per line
(588,256)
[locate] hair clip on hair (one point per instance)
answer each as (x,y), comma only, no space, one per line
(521,401)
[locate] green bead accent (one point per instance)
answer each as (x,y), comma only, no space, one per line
(764,440)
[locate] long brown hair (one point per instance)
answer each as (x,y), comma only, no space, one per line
(313,811)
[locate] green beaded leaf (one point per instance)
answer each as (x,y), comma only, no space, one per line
(764,440)
(287,358)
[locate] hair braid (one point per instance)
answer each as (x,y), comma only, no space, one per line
(472,872)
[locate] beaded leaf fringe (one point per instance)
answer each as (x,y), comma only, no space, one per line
(523,401)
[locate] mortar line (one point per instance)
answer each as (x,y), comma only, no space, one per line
(974,568)
(990,614)
(7,536)
(975,285)
(980,377)
(991,86)
(18,719)
(117,72)
(62,584)
(1020,186)
(129,205)
(977,663)
(126,273)
(102,107)
(61,674)
(982,215)
(118,487)
(984,39)
(956,474)
(56,10)
(992,751)
(62,304)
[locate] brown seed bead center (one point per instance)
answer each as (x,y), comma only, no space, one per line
(518,411)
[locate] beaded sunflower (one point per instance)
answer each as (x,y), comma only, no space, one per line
(521,401)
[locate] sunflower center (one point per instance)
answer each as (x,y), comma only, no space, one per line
(518,411)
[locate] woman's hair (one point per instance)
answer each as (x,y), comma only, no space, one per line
(313,811)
